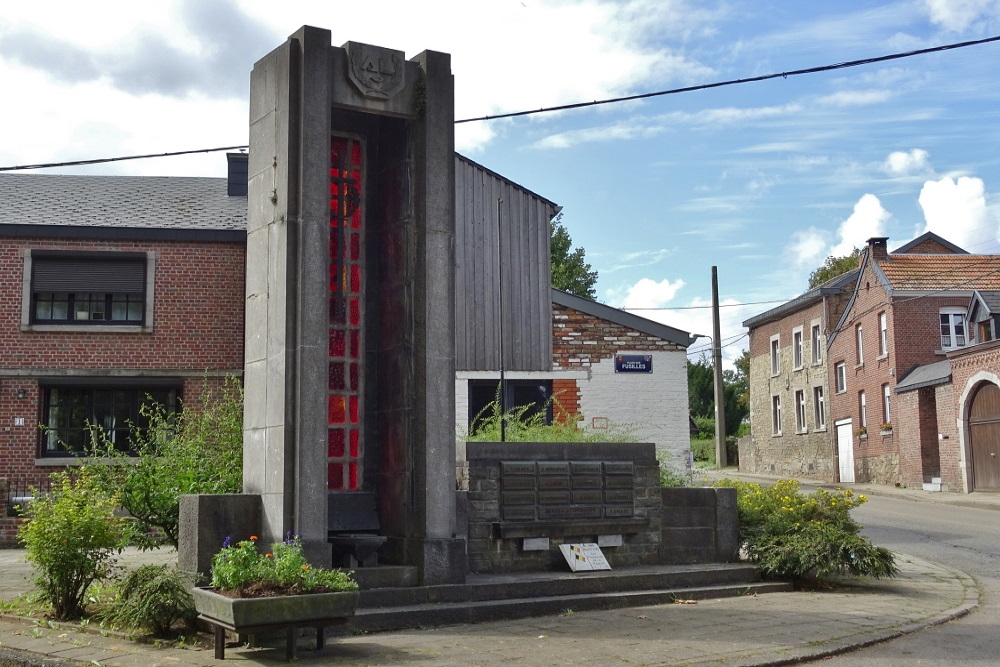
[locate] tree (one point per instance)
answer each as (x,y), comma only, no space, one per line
(570,270)
(833,267)
(735,391)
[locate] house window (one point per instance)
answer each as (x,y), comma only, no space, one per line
(952,328)
(775,355)
(817,351)
(862,408)
(886,404)
(797,348)
(70,412)
(776,415)
(883,335)
(819,408)
(859,344)
(88,288)
(533,395)
(800,411)
(841,373)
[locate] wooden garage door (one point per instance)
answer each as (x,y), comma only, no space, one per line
(984,437)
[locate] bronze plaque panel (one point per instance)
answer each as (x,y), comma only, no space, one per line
(618,468)
(517,468)
(619,511)
(587,497)
(519,513)
(553,482)
(518,483)
(585,467)
(549,468)
(553,497)
(586,482)
(619,497)
(618,483)
(518,498)
(570,512)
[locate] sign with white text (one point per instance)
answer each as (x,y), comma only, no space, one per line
(584,557)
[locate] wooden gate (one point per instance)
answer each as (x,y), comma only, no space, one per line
(984,437)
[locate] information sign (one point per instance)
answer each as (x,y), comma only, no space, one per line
(584,557)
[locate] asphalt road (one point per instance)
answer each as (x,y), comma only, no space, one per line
(964,538)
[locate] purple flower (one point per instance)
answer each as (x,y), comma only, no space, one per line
(226,542)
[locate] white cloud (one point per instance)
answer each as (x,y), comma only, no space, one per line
(958,15)
(956,210)
(868,219)
(647,293)
(905,164)
(855,98)
(809,247)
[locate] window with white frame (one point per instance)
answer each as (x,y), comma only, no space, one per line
(883,334)
(886,404)
(776,415)
(797,348)
(819,408)
(840,371)
(952,328)
(775,354)
(800,411)
(862,409)
(859,344)
(817,350)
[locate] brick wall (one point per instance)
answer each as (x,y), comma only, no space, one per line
(197,335)
(653,405)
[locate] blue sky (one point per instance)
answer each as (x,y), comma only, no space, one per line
(763,180)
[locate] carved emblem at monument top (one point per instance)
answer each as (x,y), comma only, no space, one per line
(377,72)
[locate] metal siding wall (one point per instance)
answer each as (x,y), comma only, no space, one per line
(526,278)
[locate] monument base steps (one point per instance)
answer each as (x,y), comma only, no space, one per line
(490,597)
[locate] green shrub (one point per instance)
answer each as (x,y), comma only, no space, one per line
(151,598)
(71,539)
(241,568)
(791,535)
(194,451)
(522,426)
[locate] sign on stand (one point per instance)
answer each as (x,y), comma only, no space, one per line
(584,557)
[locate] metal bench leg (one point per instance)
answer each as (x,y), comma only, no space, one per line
(220,642)
(290,642)
(319,638)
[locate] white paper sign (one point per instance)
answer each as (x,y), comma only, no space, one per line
(583,557)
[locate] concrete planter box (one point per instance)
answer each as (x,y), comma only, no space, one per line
(287,610)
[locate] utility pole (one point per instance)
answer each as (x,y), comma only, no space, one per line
(720,394)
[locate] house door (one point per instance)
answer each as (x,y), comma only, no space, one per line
(845,451)
(984,438)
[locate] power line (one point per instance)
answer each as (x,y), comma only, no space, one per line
(578,105)
(721,305)
(733,82)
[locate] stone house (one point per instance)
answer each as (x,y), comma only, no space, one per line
(895,413)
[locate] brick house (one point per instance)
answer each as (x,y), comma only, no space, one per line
(789,384)
(898,414)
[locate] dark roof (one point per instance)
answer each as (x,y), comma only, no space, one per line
(621,317)
(929,236)
(33,201)
(832,286)
(926,376)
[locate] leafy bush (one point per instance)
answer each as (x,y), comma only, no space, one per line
(243,570)
(71,539)
(791,535)
(523,425)
(151,598)
(193,451)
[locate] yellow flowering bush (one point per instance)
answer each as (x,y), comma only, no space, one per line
(791,535)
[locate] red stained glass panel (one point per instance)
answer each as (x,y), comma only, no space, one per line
(355,279)
(335,476)
(352,473)
(355,440)
(335,443)
(355,247)
(355,312)
(337,413)
(355,379)
(355,344)
(336,373)
(353,403)
(337,343)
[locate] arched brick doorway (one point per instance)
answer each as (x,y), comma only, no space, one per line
(984,437)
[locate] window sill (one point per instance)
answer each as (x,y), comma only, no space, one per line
(840,391)
(776,435)
(87,328)
(858,367)
(798,368)
(886,433)
(819,430)
(60,461)
(802,432)
(882,357)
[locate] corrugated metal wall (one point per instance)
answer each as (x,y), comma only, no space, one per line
(527,307)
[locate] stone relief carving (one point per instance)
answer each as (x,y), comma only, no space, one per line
(377,72)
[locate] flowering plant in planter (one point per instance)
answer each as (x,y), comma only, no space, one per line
(861,432)
(886,427)
(241,570)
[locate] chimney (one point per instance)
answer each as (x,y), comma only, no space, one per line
(878,248)
(238,174)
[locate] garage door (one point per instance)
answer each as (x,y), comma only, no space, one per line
(984,438)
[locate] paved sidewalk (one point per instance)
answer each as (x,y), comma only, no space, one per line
(777,628)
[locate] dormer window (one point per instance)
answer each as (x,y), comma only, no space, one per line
(953,333)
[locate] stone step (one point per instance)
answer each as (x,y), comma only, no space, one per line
(485,587)
(478,611)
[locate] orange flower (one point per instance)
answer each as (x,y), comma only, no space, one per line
(267,555)
(253,537)
(305,567)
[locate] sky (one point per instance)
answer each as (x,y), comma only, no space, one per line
(762,180)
